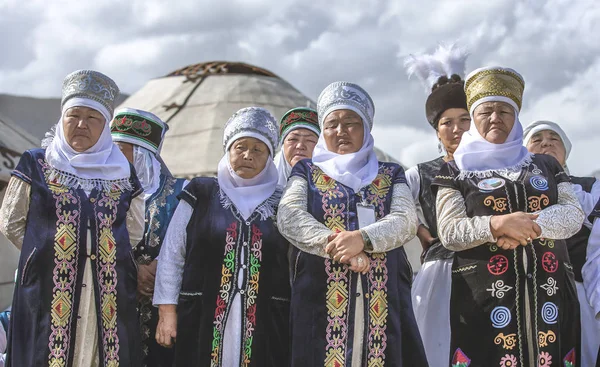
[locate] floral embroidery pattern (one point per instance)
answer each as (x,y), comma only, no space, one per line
(508,361)
(508,341)
(550,286)
(546,338)
(251,293)
(497,204)
(224,295)
(68,209)
(107,274)
(499,289)
(537,203)
(544,359)
(378,310)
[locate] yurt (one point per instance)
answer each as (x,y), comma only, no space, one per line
(196,101)
(13,142)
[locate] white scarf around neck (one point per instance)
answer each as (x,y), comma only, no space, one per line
(248,194)
(103,166)
(284,169)
(355,170)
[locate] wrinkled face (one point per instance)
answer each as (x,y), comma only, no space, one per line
(343,132)
(82,127)
(548,142)
(494,121)
(298,145)
(126,149)
(452,124)
(248,157)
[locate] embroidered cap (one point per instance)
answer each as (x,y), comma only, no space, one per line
(91,85)
(345,96)
(494,83)
(252,122)
(138,127)
(299,118)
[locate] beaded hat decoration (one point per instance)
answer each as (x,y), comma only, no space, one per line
(494,83)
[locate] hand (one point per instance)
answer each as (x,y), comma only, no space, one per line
(345,245)
(166,330)
(360,263)
(426,240)
(519,226)
(507,243)
(146,277)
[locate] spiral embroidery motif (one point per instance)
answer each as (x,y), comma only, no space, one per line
(549,313)
(508,341)
(497,204)
(500,317)
(539,183)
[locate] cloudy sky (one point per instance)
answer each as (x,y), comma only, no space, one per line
(553,43)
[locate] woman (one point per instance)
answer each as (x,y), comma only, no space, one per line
(547,137)
(70,209)
(139,134)
(446,111)
(299,131)
(348,216)
(222,284)
(505,213)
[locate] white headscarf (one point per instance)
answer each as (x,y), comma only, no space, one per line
(103,166)
(538,126)
(284,169)
(148,170)
(476,156)
(247,195)
(355,170)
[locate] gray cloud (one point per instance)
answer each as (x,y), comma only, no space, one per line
(552,43)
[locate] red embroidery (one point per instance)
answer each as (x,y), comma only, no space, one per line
(549,262)
(498,265)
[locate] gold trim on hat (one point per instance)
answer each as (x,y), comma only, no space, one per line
(494,82)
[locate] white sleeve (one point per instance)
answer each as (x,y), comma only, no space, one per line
(169,272)
(413,180)
(14,211)
(136,217)
(296,224)
(458,231)
(591,269)
(563,219)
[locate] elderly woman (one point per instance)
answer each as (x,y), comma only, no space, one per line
(446,111)
(298,135)
(70,209)
(222,283)
(547,137)
(348,216)
(506,214)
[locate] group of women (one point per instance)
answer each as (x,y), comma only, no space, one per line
(252,273)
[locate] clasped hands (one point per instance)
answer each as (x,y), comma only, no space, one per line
(348,248)
(512,230)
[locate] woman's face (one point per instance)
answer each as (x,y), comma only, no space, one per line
(298,145)
(548,142)
(126,149)
(82,127)
(343,132)
(248,157)
(494,121)
(453,123)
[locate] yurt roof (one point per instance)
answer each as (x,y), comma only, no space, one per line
(197,100)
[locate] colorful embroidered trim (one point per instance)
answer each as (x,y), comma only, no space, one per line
(64,274)
(107,275)
(254,261)
(224,295)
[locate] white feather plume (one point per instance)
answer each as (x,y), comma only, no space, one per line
(445,60)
